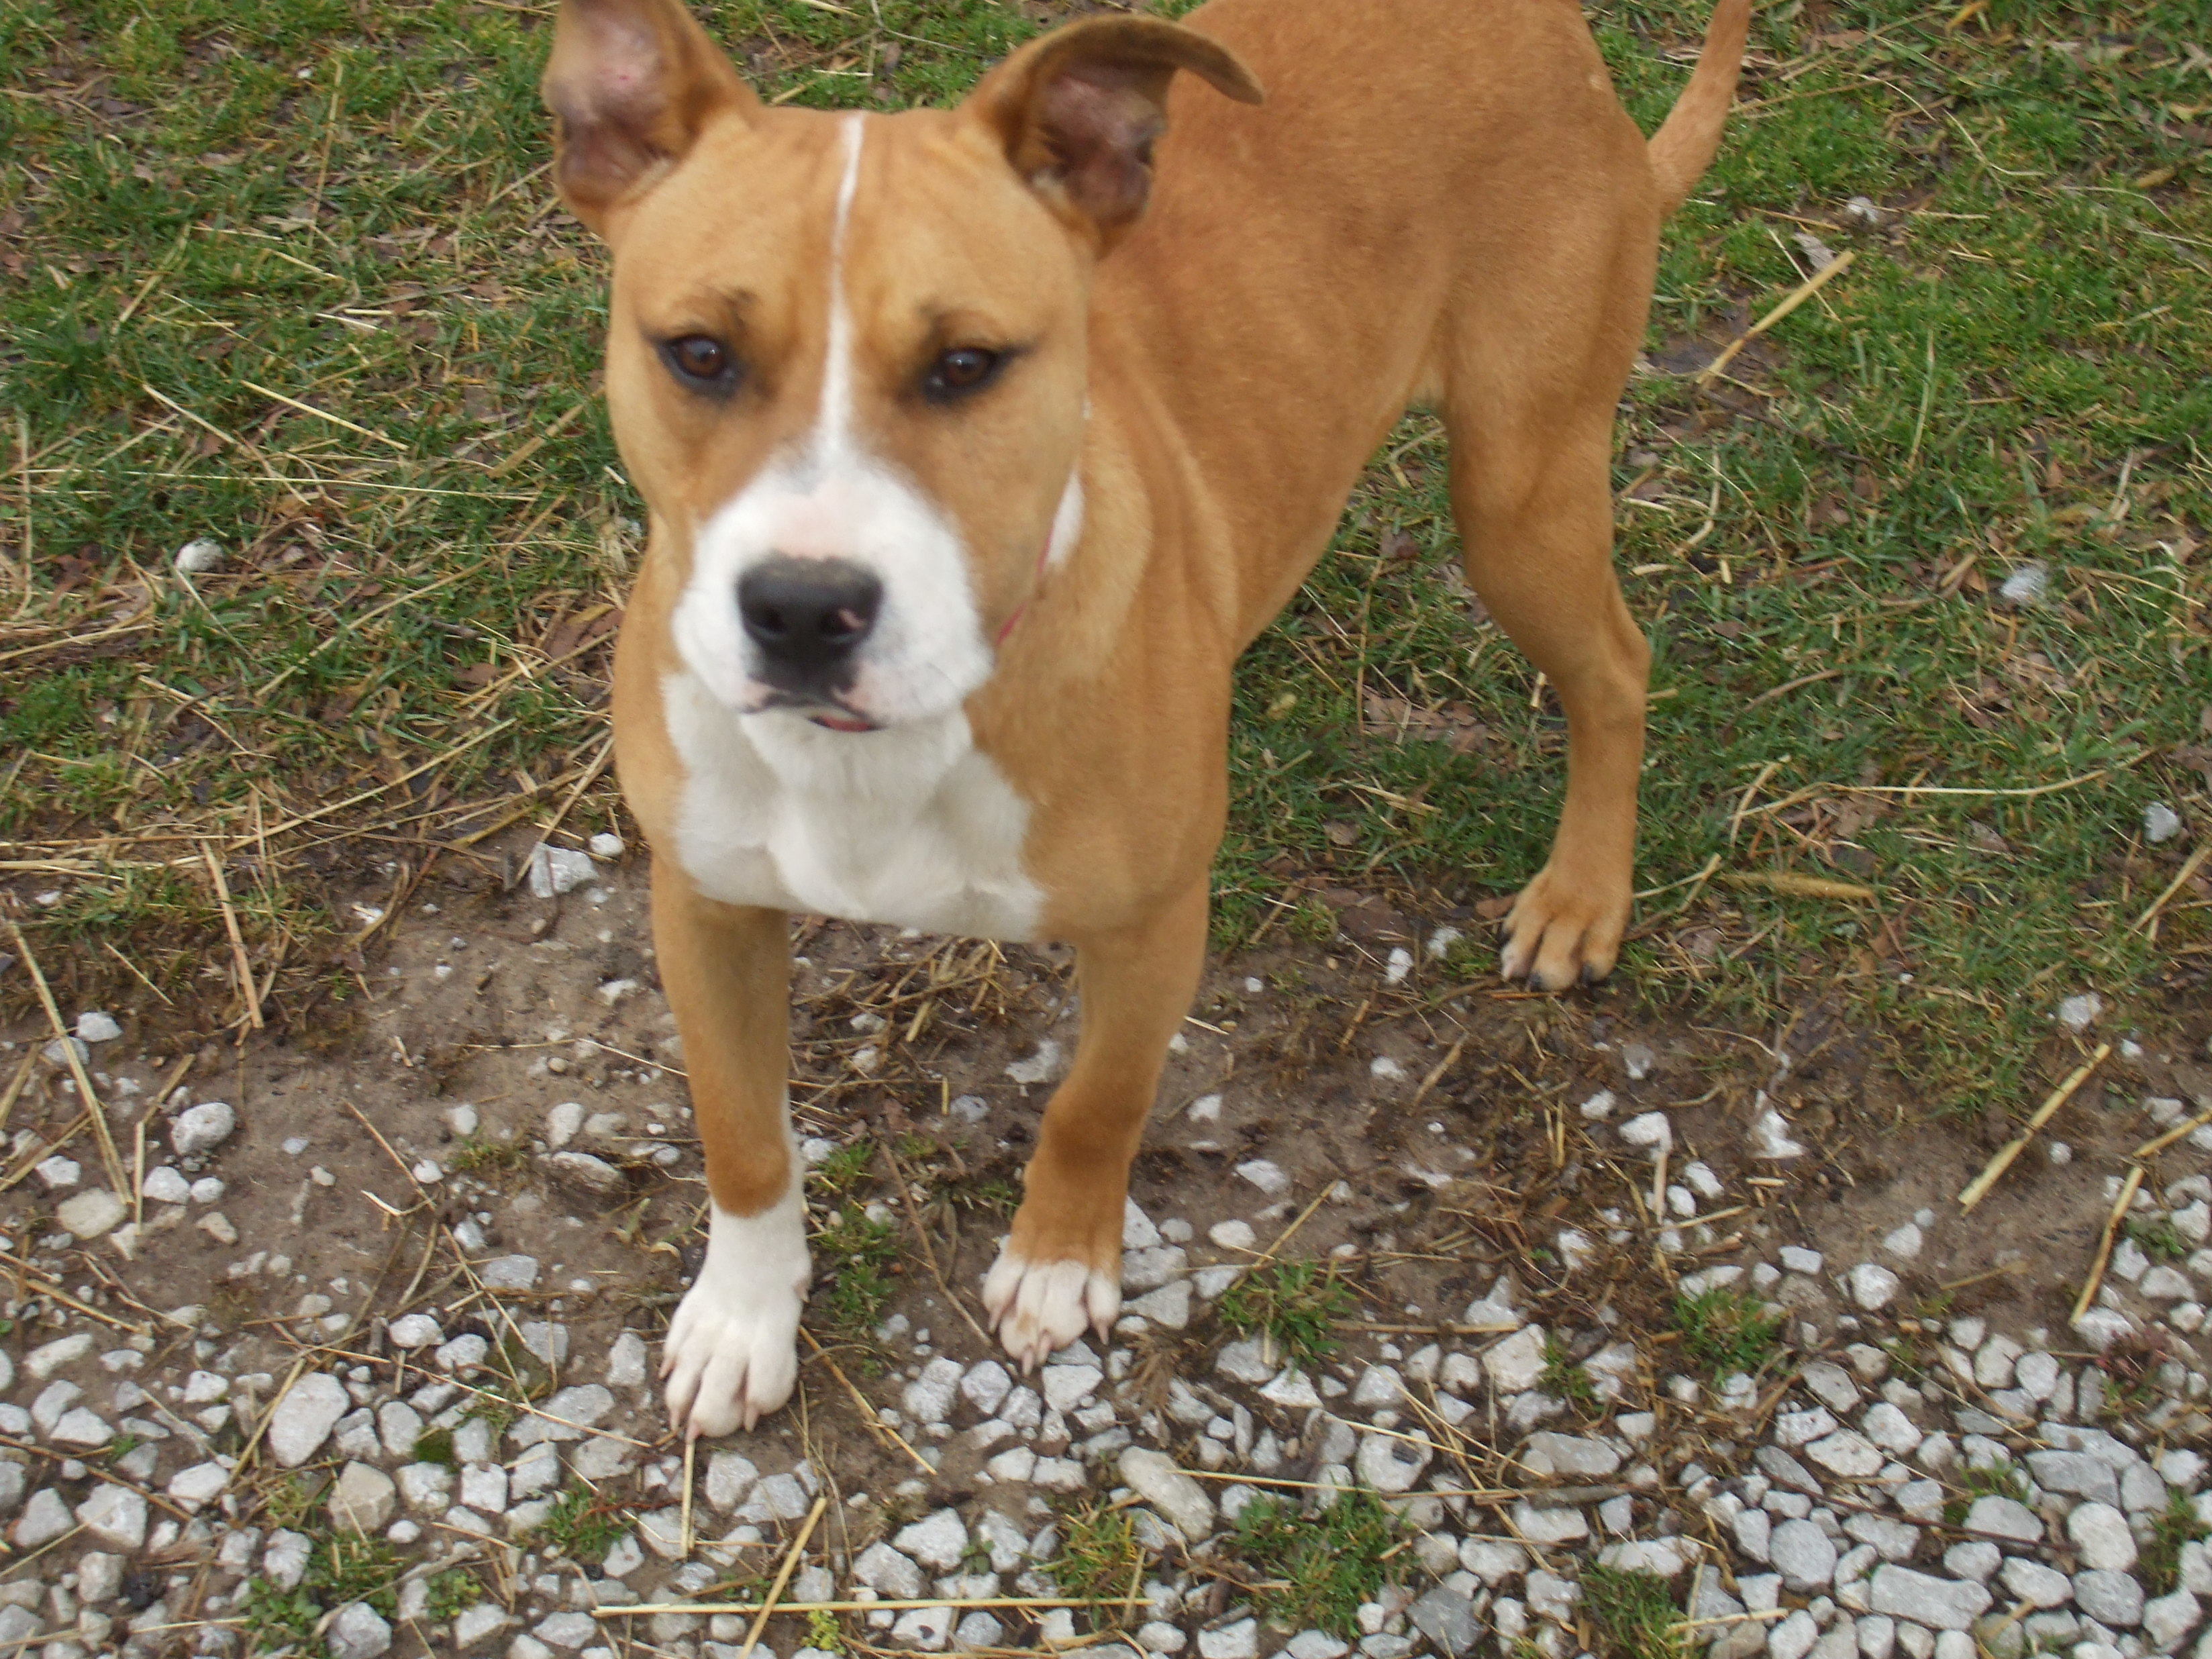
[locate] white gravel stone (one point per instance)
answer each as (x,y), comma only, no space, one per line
(1390,1465)
(59,1174)
(89,1214)
(359,1632)
(1793,1638)
(1549,1524)
(1568,1455)
(1936,1603)
(1872,1286)
(937,1540)
(198,556)
(1155,1477)
(1770,1138)
(363,1499)
(1797,1258)
(730,1478)
(2101,1533)
(44,1519)
(2005,1517)
(413,1331)
(2034,1583)
(94,1026)
(427,1488)
(928,1399)
(985,1385)
(2112,1599)
(1066,1386)
(1904,1242)
(2168,1618)
(626,1362)
(1238,1641)
(1803,1554)
(1651,1131)
(888,1573)
(285,1559)
(1846,1453)
(508,1272)
(202,1483)
(1269,1178)
(202,1129)
(1889,1428)
(115,1515)
(1515,1365)
(303,1420)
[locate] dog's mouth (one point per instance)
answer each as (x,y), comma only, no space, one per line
(830,713)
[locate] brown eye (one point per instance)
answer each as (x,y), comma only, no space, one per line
(699,358)
(962,369)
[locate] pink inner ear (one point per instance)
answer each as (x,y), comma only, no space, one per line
(1099,128)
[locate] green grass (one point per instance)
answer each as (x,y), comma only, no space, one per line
(342,204)
(2160,1562)
(1100,1559)
(1724,1331)
(1634,1613)
(1295,1303)
(2159,1239)
(582,1525)
(853,1256)
(343,1567)
(453,1591)
(1319,1567)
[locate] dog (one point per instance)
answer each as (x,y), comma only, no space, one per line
(978,443)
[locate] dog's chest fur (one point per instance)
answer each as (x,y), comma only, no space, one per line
(913,826)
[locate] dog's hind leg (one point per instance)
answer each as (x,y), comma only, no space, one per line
(1059,1270)
(729,1356)
(1535,516)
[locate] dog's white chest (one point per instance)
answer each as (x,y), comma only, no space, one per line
(914,826)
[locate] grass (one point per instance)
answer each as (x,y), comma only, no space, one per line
(2158,1239)
(1634,1613)
(1726,1331)
(582,1525)
(1562,1379)
(477,1155)
(453,1591)
(343,1567)
(1320,1567)
(2000,1480)
(1295,1304)
(854,1255)
(1099,1559)
(2159,1563)
(405,647)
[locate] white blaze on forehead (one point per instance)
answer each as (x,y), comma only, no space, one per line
(833,432)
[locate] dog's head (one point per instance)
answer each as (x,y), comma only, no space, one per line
(846,353)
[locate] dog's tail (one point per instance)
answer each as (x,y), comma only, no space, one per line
(1683,146)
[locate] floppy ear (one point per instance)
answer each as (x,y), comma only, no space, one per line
(630,84)
(1077,111)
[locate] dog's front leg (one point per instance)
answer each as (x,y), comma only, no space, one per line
(1060,1269)
(730,1357)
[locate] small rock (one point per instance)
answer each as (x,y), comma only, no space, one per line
(412,1331)
(115,1515)
(1872,1286)
(1269,1178)
(1770,1138)
(580,1172)
(1803,1554)
(1553,1525)
(2078,1014)
(936,1540)
(508,1272)
(2113,1599)
(1238,1641)
(557,870)
(2101,1533)
(198,556)
(888,1573)
(359,1632)
(303,1420)
(89,1214)
(1936,1603)
(1154,1477)
(2034,1583)
(202,1129)
(2025,586)
(1515,1365)
(1846,1453)
(2005,1517)
(2168,1618)
(1649,1130)
(363,1499)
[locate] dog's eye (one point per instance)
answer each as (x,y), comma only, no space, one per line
(959,371)
(701,359)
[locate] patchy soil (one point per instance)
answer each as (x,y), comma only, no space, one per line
(499,1139)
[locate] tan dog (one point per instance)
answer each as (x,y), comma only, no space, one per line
(972,470)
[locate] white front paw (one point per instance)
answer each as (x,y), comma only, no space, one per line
(730,1357)
(1040,1306)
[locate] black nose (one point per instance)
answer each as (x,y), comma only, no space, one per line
(807,615)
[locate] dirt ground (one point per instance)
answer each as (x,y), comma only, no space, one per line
(1447,1123)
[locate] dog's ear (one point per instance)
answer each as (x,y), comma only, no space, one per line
(1078,112)
(630,84)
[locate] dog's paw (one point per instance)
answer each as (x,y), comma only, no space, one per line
(730,1356)
(1561,932)
(1037,1307)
